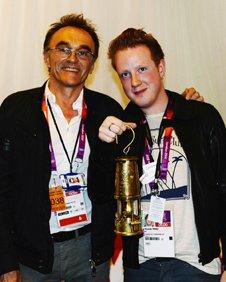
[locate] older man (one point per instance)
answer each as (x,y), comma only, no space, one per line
(56,177)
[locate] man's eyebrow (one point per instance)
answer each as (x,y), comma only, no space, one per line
(62,43)
(84,46)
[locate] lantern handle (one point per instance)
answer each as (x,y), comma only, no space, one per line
(127,147)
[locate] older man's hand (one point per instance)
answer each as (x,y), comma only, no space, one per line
(192,94)
(12,276)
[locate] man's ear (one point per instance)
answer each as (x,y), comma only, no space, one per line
(46,59)
(91,69)
(162,68)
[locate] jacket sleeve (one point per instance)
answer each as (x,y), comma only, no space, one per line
(218,151)
(8,260)
(101,170)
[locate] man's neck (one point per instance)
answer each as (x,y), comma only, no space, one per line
(65,97)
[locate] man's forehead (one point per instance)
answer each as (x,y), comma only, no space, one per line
(136,53)
(137,48)
(72,35)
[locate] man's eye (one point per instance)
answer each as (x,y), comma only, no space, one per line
(64,50)
(124,75)
(82,53)
(142,69)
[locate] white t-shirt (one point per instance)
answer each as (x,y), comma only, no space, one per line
(177,191)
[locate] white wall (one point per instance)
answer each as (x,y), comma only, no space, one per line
(191,32)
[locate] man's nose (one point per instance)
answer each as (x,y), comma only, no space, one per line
(136,81)
(73,55)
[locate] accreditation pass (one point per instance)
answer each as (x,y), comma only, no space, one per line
(159,237)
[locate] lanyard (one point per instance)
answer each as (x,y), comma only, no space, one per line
(81,137)
(163,159)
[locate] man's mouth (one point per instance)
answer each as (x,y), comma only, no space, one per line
(71,68)
(138,92)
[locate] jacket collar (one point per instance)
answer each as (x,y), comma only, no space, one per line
(32,119)
(183,109)
(31,116)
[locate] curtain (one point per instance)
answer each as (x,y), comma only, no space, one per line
(191,33)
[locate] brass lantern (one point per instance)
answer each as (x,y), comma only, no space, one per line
(127,194)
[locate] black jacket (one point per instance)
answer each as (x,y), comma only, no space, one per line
(24,177)
(202,135)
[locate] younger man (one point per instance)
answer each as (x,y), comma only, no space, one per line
(182,155)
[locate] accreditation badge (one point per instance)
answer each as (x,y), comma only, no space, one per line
(75,212)
(156,209)
(159,237)
(56,193)
(73,180)
(149,173)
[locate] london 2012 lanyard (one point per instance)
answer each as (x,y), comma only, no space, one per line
(163,159)
(81,136)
